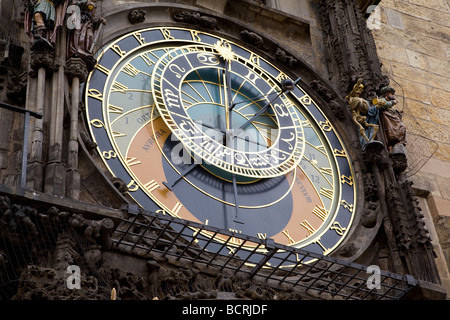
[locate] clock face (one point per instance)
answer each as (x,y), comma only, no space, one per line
(205,130)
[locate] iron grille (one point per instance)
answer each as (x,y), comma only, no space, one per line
(262,259)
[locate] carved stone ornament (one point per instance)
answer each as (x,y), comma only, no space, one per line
(284,58)
(76,67)
(252,38)
(42,56)
(136,16)
(196,18)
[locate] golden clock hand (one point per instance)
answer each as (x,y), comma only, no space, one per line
(228,95)
(236,217)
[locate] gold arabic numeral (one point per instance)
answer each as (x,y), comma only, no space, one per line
(132,161)
(147,59)
(347,180)
(320,212)
(305,224)
(119,51)
(130,70)
(139,38)
(151,186)
(132,186)
(94,93)
(328,193)
(117,86)
(336,226)
(290,239)
(97,123)
(109,154)
(115,109)
(102,69)
(347,206)
(326,125)
(340,153)
(177,208)
(118,134)
(195,36)
(166,34)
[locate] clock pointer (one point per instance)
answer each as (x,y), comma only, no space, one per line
(236,217)
(286,85)
(181,175)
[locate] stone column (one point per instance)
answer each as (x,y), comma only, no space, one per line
(42,59)
(77,71)
(55,171)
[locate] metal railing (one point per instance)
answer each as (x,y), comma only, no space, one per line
(263,259)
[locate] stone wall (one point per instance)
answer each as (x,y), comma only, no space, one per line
(413,42)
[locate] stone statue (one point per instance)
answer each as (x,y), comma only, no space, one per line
(81,39)
(43,18)
(364,114)
(393,126)
(39,19)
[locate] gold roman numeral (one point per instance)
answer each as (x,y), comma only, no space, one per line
(290,239)
(305,224)
(151,186)
(320,212)
(130,70)
(328,193)
(177,208)
(115,109)
(102,69)
(117,86)
(132,161)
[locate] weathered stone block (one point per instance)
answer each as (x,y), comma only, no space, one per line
(55,179)
(440,98)
(417,60)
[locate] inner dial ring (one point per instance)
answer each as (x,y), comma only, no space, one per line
(282,156)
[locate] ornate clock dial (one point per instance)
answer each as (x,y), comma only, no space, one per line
(208,135)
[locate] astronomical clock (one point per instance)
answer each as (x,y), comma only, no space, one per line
(204,129)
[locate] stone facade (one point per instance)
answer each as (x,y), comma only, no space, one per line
(413,43)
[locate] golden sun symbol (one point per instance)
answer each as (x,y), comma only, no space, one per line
(224,50)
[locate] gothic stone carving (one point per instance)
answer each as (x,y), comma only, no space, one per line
(196,18)
(284,58)
(136,16)
(252,38)
(349,46)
